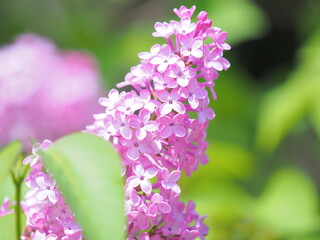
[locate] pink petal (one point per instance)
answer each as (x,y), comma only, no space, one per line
(143,236)
(164,207)
(138,170)
(197,43)
(42,195)
(166,108)
(163,96)
(126,132)
(52,197)
(153,210)
(165,51)
(156,198)
(183,82)
(174,176)
(166,132)
(141,133)
(146,186)
(209,113)
(163,67)
(143,222)
(179,131)
(41,181)
(144,115)
(156,60)
(197,53)
(133,181)
(150,173)
(146,148)
(151,126)
(194,103)
(133,153)
(178,107)
(176,189)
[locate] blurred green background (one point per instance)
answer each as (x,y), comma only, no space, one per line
(262,181)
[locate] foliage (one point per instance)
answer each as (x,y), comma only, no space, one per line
(87,170)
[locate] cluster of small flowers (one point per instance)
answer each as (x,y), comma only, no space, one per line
(67,82)
(4,208)
(152,128)
(154,135)
(48,216)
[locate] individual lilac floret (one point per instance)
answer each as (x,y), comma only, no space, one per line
(44,92)
(163,139)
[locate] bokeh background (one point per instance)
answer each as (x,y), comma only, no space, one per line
(262,181)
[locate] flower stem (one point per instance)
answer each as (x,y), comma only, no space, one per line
(17,209)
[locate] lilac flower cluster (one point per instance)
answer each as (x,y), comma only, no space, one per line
(48,215)
(44,92)
(152,128)
(154,132)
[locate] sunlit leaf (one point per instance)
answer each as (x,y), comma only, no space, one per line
(284,106)
(289,203)
(8,226)
(87,170)
(8,156)
(280,111)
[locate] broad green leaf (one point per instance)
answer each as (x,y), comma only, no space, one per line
(284,106)
(8,156)
(281,110)
(8,226)
(87,170)
(289,204)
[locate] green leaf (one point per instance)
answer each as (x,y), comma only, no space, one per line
(284,106)
(281,110)
(289,203)
(87,170)
(8,226)
(8,156)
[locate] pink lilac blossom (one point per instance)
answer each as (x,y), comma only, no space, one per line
(48,216)
(45,92)
(155,134)
(4,208)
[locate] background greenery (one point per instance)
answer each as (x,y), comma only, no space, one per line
(263,179)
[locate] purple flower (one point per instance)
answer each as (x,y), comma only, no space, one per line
(181,73)
(184,12)
(169,126)
(142,124)
(158,205)
(41,84)
(141,178)
(170,102)
(163,30)
(155,131)
(164,58)
(191,46)
(170,180)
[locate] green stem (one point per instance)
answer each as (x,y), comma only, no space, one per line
(18,209)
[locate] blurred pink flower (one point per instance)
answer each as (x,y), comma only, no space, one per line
(44,92)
